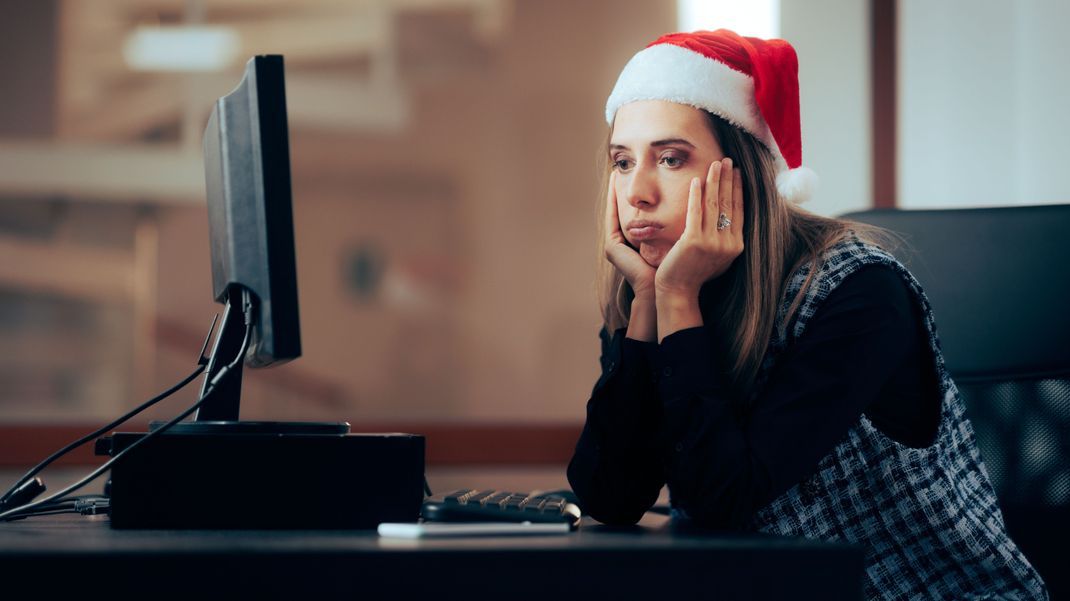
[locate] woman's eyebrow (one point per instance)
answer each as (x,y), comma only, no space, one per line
(657,143)
(671,141)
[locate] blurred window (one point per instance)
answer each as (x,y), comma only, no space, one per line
(757,18)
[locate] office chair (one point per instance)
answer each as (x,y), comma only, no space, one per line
(998,280)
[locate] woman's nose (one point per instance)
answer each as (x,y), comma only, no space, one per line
(642,186)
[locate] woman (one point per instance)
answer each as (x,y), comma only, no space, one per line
(778,370)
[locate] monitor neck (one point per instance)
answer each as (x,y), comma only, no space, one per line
(224,400)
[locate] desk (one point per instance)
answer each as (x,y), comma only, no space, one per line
(74,554)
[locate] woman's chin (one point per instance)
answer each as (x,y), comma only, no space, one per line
(653,255)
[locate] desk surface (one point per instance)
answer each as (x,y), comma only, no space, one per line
(73,554)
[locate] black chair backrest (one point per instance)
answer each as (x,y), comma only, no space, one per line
(998,280)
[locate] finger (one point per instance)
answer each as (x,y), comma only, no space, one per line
(724,192)
(612,222)
(713,180)
(693,223)
(737,202)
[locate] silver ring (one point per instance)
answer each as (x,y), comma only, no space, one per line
(723,222)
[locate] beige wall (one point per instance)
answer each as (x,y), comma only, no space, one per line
(485,210)
(832,39)
(990,98)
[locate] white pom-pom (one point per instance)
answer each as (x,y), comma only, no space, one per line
(797,185)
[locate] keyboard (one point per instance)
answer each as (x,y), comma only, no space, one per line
(471,505)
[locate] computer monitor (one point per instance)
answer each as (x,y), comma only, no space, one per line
(250,220)
(250,223)
(250,226)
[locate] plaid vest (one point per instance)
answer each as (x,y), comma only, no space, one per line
(928,517)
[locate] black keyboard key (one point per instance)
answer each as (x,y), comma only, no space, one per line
(495,499)
(553,506)
(478,496)
(471,505)
(457,496)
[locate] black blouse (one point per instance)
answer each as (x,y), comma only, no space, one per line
(659,414)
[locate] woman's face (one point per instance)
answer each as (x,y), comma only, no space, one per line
(657,147)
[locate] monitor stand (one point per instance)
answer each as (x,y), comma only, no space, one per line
(218,414)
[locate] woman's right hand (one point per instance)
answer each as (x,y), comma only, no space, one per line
(638,273)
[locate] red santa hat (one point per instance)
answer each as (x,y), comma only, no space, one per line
(750,82)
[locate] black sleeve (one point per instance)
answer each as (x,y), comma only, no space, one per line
(720,464)
(616,469)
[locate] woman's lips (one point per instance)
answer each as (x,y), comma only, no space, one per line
(644,230)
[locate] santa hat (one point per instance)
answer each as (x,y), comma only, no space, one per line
(750,82)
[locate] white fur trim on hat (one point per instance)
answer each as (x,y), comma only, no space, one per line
(675,74)
(797,185)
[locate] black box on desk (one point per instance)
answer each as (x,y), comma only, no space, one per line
(254,481)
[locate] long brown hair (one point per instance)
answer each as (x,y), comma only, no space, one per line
(778,237)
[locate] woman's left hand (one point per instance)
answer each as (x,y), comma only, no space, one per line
(704,252)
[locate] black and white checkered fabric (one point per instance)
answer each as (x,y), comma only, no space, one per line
(928,516)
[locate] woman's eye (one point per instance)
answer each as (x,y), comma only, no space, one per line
(672,161)
(621,164)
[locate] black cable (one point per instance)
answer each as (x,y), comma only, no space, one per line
(74,501)
(24,493)
(83,504)
(247,302)
(107,465)
(34,514)
(201,362)
(96,433)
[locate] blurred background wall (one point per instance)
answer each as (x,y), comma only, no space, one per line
(446,157)
(982,108)
(445,161)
